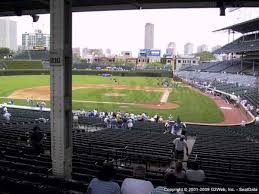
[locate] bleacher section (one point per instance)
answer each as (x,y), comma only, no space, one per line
(229,155)
(246,46)
(32,55)
(229,66)
(245,43)
(200,67)
(244,80)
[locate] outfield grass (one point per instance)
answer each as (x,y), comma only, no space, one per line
(193,106)
(9,84)
(130,95)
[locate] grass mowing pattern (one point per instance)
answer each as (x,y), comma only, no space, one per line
(130,95)
(193,106)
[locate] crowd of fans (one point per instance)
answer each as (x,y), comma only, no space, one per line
(127,120)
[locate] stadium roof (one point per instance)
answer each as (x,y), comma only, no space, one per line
(244,27)
(27,7)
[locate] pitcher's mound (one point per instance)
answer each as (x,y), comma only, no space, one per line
(166,105)
(114,94)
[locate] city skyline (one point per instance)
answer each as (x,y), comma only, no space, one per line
(8,34)
(123,30)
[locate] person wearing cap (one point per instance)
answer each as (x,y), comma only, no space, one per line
(179,145)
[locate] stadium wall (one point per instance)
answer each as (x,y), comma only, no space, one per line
(87,72)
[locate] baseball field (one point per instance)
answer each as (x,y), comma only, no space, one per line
(126,94)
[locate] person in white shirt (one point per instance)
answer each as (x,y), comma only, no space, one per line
(130,124)
(137,185)
(160,119)
(195,174)
(5,109)
(180,143)
(7,116)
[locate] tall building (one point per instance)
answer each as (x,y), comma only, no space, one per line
(149,36)
(76,52)
(202,48)
(188,48)
(36,40)
(126,54)
(108,52)
(171,49)
(84,52)
(8,34)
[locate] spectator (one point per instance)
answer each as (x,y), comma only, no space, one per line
(175,128)
(7,116)
(113,122)
(75,120)
(130,124)
(36,139)
(195,174)
(179,172)
(5,109)
(28,101)
(167,126)
(107,122)
(180,143)
(137,185)
(170,181)
(103,184)
(170,119)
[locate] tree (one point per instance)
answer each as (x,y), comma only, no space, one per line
(206,56)
(4,52)
(155,64)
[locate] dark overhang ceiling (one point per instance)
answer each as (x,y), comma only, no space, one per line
(27,7)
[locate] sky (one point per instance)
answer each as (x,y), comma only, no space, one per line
(124,30)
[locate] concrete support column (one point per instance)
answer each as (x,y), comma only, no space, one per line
(242,62)
(231,58)
(253,65)
(61,86)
